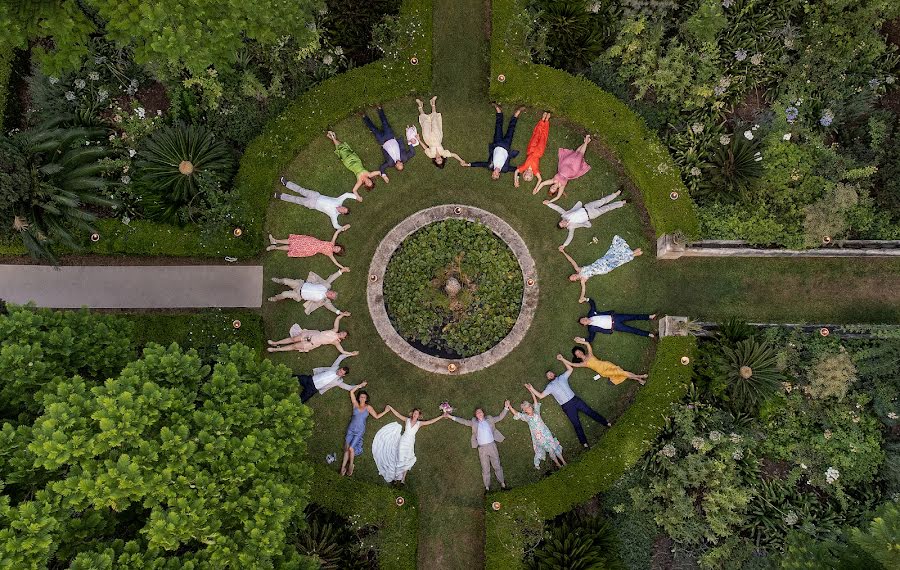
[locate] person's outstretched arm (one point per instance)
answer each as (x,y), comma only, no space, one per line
(375,414)
(353,390)
(505,411)
(457,157)
(337,344)
(587,346)
(355,191)
(334,276)
(593,306)
(535,393)
(541,184)
(337,320)
(340,358)
(575,266)
(461,421)
(432,420)
(398,414)
(569,237)
(553,206)
(583,282)
(565,362)
(480,164)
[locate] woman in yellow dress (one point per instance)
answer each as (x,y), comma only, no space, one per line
(584,358)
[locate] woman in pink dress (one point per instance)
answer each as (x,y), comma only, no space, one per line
(571,166)
(308,246)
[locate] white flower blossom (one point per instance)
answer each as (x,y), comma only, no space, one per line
(327,60)
(126,179)
(126,220)
(756,59)
(94,76)
(131,152)
(786,137)
(140,112)
(339,51)
(102,94)
(715,436)
(53,80)
(832,475)
(698,442)
(791,518)
(748,135)
(668,450)
(735,438)
(740,54)
(892,415)
(80,83)
(738,454)
(803,466)
(70,95)
(696,171)
(697,128)
(725,139)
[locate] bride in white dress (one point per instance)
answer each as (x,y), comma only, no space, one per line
(394,452)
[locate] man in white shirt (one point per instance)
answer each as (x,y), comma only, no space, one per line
(331,207)
(608,321)
(314,291)
(324,379)
(500,150)
(580,216)
(395,152)
(559,388)
(485,437)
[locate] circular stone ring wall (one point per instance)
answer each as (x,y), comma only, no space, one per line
(375,292)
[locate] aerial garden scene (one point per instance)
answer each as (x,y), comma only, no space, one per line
(450,284)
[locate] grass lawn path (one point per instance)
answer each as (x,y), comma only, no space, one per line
(447,477)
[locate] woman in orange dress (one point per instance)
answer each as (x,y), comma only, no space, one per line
(307,246)
(536,146)
(584,358)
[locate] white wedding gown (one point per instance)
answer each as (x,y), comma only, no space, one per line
(394,452)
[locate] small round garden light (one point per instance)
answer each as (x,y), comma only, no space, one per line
(238,232)
(236,323)
(530,282)
(673,195)
(95,237)
(495,505)
(824,331)
(451,367)
(373,278)
(501,78)
(400,501)
(826,240)
(457,211)
(685,360)
(414,60)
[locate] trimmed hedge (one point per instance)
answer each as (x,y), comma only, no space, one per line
(202,330)
(644,158)
(314,111)
(365,505)
(625,443)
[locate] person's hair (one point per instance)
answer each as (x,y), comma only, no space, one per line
(575,357)
(345,333)
(414,410)
(525,403)
(346,370)
(550,372)
(440,164)
(362,393)
(343,249)
(476,410)
(347,213)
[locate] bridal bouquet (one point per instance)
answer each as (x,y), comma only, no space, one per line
(446,408)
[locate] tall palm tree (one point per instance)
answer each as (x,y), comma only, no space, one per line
(47,175)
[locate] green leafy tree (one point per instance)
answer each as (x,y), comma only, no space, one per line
(170,463)
(47,175)
(173,37)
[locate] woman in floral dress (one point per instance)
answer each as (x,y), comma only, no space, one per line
(619,253)
(542,439)
(297,245)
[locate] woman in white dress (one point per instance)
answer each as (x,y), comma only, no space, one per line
(394,452)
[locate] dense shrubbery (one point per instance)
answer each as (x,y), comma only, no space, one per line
(454,253)
(784,487)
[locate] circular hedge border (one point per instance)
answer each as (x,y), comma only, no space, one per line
(375,290)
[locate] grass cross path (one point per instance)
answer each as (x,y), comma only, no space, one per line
(447,476)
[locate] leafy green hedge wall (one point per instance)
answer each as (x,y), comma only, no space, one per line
(372,505)
(645,159)
(625,443)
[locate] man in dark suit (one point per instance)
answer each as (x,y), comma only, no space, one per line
(605,322)
(396,151)
(500,153)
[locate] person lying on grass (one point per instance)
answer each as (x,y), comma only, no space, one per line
(298,245)
(536,147)
(314,291)
(617,255)
(331,207)
(305,340)
(580,216)
(433,136)
(500,151)
(325,378)
(396,151)
(606,322)
(542,440)
(353,163)
(571,166)
(356,431)
(583,357)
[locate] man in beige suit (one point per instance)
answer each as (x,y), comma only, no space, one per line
(314,291)
(485,437)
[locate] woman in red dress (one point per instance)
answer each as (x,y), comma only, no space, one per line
(308,246)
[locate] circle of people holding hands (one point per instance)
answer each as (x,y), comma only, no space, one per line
(393,447)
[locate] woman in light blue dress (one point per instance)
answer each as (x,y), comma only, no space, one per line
(619,253)
(353,442)
(542,440)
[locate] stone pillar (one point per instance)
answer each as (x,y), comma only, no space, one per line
(666,248)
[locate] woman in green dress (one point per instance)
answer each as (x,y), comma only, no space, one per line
(353,163)
(542,439)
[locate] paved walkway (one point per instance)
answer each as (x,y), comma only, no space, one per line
(133,287)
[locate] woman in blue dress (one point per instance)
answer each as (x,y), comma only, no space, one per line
(619,253)
(353,442)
